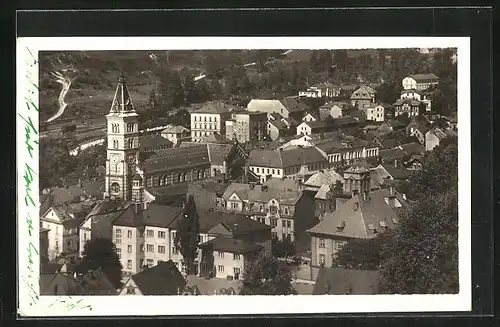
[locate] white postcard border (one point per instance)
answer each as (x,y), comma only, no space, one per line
(31,304)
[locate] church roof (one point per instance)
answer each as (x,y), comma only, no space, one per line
(122,102)
(177,157)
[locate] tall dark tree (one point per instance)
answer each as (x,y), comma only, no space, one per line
(101,254)
(170,90)
(422,258)
(55,162)
(283,249)
(362,253)
(187,235)
(267,276)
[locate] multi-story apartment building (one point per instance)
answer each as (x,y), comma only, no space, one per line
(421,96)
(287,211)
(246,126)
(363,216)
(144,238)
(209,119)
(375,113)
(363,97)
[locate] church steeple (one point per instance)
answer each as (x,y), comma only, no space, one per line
(122,102)
(122,144)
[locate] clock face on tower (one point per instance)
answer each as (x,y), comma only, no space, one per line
(131,158)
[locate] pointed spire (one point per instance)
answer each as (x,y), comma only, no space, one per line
(122,101)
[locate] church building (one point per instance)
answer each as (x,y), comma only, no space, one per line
(134,173)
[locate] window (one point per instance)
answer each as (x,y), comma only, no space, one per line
(274,222)
(321,242)
(118,233)
(286,211)
(118,241)
(339,245)
(150,248)
(322,259)
(273,210)
(150,263)
(268,170)
(129,248)
(161,249)
(150,233)
(130,143)
(115,188)
(236,257)
(142,248)
(220,268)
(175,250)
(129,234)
(258,169)
(234,205)
(115,144)
(129,264)
(173,236)
(273,172)
(289,223)
(130,290)
(283,223)
(161,234)
(221,255)
(237,273)
(274,235)
(130,128)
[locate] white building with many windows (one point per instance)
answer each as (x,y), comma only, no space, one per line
(209,119)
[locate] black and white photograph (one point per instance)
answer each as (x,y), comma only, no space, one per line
(263,172)
(268,172)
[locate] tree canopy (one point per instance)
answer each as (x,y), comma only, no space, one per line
(267,276)
(187,234)
(101,253)
(422,257)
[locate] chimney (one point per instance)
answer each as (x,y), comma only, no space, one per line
(365,196)
(391,190)
(235,226)
(404,196)
(395,163)
(356,206)
(137,207)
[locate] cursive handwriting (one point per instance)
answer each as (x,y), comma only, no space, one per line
(30,147)
(29,128)
(69,305)
(28,179)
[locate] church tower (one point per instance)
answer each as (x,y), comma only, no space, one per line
(122,144)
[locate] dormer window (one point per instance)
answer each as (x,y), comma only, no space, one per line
(341,226)
(383,224)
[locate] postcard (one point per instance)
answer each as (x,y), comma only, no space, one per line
(243,175)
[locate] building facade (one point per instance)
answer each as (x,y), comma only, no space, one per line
(122,144)
(420,82)
(247,126)
(209,119)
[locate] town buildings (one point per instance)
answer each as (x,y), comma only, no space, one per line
(209,120)
(363,97)
(331,109)
(176,134)
(322,90)
(420,82)
(408,106)
(246,126)
(362,217)
(288,107)
(376,113)
(297,162)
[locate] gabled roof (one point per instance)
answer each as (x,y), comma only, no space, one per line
(258,194)
(330,104)
(315,125)
(293,104)
(102,217)
(264,105)
(226,244)
(412,148)
(162,279)
(153,141)
(424,77)
(212,286)
(265,158)
(326,177)
(218,152)
(392,154)
(175,130)
(94,282)
(438,132)
(363,92)
(177,157)
(410,102)
(359,218)
(61,195)
(396,173)
(339,281)
(285,158)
